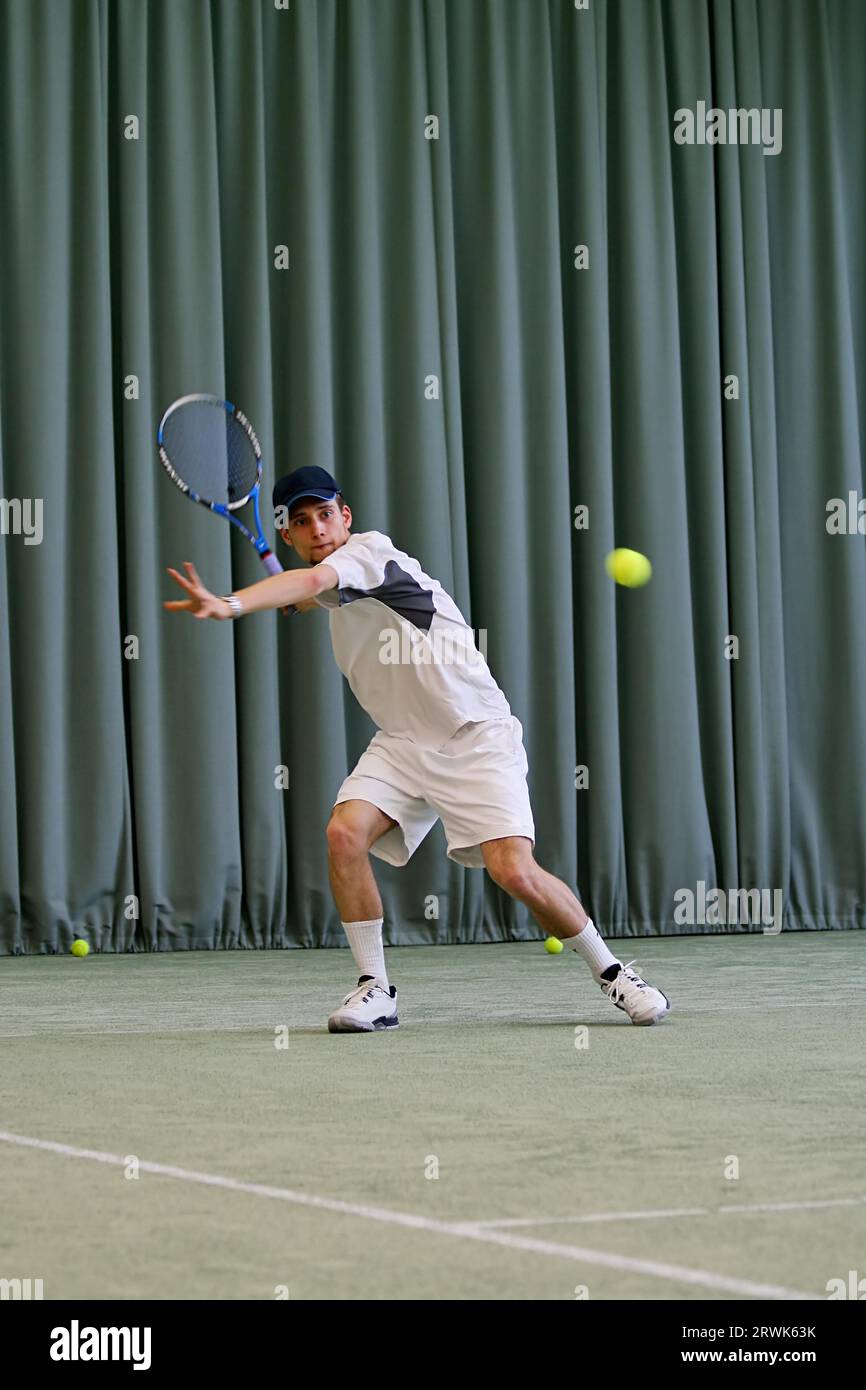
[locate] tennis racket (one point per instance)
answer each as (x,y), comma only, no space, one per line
(209,449)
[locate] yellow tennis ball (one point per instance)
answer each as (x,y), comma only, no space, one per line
(79,947)
(628,567)
(553,945)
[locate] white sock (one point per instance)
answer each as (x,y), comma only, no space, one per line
(589,944)
(365,939)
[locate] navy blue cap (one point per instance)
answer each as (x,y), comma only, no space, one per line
(304,482)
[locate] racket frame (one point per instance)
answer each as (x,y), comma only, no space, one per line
(225,509)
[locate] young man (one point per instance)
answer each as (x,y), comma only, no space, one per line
(448,745)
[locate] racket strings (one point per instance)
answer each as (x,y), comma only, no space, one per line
(242,461)
(211,452)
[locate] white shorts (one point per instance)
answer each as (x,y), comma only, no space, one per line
(476,784)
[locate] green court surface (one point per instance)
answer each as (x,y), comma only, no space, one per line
(561,1168)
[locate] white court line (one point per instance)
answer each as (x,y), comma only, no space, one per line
(461,1230)
(674,1211)
(596,1217)
(798,1206)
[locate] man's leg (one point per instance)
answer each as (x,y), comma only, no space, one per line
(354,826)
(510,863)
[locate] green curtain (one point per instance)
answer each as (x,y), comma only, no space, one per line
(454,258)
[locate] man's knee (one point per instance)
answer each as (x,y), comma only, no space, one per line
(352,830)
(520,883)
(513,868)
(346,838)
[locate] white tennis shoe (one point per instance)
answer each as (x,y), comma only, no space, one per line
(643,1004)
(369,1008)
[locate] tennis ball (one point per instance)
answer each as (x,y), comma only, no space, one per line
(553,945)
(628,567)
(79,947)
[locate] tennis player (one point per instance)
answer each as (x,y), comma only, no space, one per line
(447,746)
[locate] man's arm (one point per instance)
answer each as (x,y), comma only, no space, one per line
(292,587)
(277,591)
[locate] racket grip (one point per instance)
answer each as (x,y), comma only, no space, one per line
(273,566)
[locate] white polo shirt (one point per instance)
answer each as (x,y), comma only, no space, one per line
(403,645)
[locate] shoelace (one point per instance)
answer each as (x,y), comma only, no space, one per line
(361,993)
(632,981)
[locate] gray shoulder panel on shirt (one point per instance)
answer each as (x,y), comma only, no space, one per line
(400,592)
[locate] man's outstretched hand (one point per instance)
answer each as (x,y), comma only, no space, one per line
(200,602)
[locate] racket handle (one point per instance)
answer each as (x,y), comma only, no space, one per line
(273,566)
